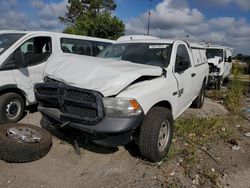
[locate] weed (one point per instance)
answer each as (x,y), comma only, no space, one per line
(235,89)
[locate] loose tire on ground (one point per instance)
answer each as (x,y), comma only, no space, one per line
(14,150)
(199,101)
(150,132)
(11,108)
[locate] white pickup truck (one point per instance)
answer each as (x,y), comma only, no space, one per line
(220,64)
(132,93)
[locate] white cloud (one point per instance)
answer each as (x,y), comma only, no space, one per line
(48,13)
(243,4)
(167,14)
(170,20)
(44,17)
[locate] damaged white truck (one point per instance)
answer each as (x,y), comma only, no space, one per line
(132,93)
(220,64)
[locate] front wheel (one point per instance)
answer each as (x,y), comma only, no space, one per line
(156,134)
(11,108)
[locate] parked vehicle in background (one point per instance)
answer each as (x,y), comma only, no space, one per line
(220,64)
(23,57)
(133,93)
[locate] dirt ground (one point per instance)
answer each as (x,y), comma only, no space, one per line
(123,167)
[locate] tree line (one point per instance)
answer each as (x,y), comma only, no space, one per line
(93,18)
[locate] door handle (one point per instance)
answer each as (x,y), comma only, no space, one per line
(193,74)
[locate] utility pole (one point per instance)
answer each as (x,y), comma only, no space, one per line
(149,14)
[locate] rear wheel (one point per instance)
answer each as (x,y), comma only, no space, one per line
(156,134)
(199,101)
(11,108)
(219,82)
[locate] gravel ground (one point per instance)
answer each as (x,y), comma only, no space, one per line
(96,166)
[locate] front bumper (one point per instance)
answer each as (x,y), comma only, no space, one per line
(83,109)
(110,132)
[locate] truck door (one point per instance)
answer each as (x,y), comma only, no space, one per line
(30,59)
(183,71)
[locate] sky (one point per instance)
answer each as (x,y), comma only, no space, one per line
(222,22)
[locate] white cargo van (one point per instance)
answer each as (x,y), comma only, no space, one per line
(23,57)
(220,64)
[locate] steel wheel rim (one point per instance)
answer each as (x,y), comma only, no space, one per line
(13,108)
(24,135)
(163,136)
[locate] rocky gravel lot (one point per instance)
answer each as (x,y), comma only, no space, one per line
(121,167)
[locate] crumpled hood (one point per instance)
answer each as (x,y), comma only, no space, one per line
(104,75)
(214,60)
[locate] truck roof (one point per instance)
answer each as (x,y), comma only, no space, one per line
(56,33)
(219,47)
(158,40)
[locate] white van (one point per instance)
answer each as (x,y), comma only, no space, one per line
(23,57)
(220,64)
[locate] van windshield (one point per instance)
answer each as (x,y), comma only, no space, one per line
(155,54)
(7,39)
(211,53)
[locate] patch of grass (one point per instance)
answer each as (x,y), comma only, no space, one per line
(235,90)
(216,95)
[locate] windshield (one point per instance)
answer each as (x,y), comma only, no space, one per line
(211,53)
(142,53)
(6,40)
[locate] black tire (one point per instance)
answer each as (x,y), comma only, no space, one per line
(226,81)
(199,100)
(11,108)
(150,131)
(12,150)
(219,82)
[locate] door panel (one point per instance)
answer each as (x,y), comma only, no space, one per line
(183,71)
(33,55)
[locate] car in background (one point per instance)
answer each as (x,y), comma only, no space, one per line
(220,64)
(23,57)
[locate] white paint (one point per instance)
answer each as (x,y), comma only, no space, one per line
(25,78)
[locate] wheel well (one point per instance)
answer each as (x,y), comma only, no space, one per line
(165,104)
(205,80)
(13,90)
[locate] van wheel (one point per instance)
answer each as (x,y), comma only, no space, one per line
(156,134)
(11,108)
(199,100)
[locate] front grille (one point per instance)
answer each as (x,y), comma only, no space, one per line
(79,96)
(81,112)
(76,104)
(213,68)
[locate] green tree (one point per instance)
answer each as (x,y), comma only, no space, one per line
(92,18)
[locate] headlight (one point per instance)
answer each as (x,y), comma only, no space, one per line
(121,107)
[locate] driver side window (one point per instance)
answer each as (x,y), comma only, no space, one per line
(182,61)
(32,52)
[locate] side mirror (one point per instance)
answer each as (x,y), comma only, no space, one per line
(19,59)
(182,66)
(220,60)
(229,59)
